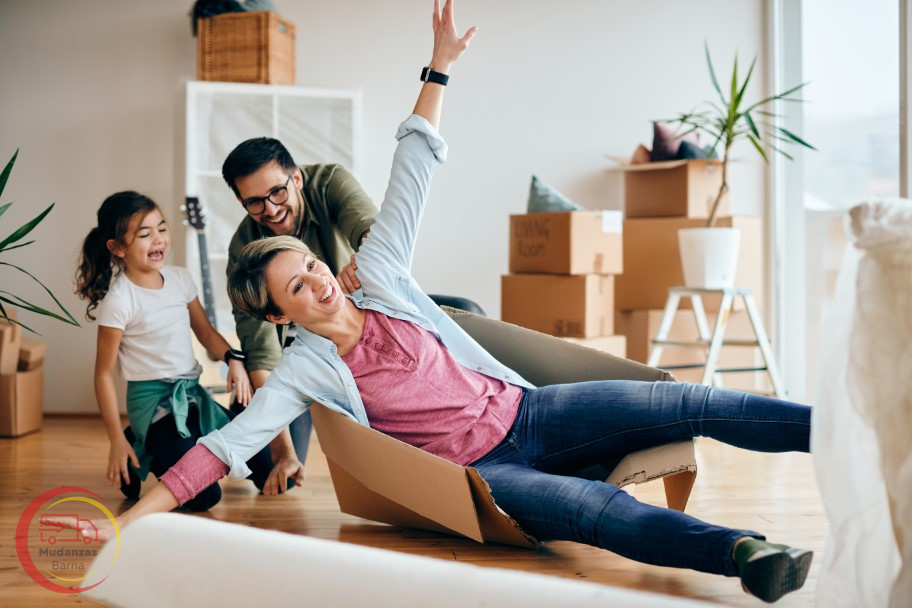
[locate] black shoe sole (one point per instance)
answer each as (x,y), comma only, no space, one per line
(770,575)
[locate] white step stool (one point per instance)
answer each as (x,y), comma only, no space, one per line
(715,341)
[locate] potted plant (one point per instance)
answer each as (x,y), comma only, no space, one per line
(12,242)
(710,254)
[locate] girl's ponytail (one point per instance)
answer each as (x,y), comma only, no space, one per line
(97,265)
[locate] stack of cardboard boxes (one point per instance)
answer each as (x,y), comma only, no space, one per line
(562,276)
(661,198)
(21,381)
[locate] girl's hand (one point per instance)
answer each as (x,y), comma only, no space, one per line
(120,456)
(347,279)
(239,381)
(103,529)
(448,46)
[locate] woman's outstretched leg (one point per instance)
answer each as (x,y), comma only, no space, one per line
(563,428)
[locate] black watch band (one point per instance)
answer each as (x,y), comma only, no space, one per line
(237,355)
(429,75)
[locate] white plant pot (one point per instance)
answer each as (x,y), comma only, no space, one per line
(709,256)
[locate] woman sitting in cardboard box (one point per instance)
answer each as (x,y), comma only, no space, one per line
(389,358)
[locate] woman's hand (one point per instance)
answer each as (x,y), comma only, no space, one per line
(96,529)
(278,477)
(448,46)
(239,381)
(347,279)
(120,456)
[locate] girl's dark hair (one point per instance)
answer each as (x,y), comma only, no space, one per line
(96,263)
(249,156)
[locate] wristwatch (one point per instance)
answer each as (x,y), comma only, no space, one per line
(429,75)
(237,355)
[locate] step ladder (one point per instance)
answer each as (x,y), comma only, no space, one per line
(712,343)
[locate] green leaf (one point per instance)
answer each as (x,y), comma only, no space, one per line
(795,138)
(14,321)
(759,148)
(71,320)
(712,74)
(25,229)
(3,208)
(783,153)
(750,123)
(733,105)
(6,171)
(746,81)
(4,250)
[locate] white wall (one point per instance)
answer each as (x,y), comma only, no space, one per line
(90,96)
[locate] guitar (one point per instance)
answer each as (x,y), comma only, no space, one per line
(197,219)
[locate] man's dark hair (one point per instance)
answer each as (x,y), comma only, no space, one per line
(252,154)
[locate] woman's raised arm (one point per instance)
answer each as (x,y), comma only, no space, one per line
(448,47)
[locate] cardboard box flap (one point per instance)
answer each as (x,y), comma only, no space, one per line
(427,485)
(665,164)
(496,525)
(356,499)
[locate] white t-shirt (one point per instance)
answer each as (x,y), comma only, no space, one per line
(156,323)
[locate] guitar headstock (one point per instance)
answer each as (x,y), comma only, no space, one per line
(195,215)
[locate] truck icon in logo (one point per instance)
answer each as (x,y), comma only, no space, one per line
(52,532)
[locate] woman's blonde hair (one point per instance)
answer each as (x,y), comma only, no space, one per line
(247,288)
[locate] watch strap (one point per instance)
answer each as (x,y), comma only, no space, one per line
(429,75)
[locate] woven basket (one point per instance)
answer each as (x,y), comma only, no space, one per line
(246,47)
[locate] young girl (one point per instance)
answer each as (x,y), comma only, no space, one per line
(145,312)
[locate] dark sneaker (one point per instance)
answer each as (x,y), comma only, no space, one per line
(771,573)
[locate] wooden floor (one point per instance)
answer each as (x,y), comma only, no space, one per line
(775,494)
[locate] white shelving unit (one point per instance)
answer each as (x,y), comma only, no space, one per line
(316,125)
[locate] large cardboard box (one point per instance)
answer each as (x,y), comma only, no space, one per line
(652,261)
(10,341)
(21,402)
(382,479)
(580,306)
(31,354)
(575,242)
(641,326)
(613,345)
(678,188)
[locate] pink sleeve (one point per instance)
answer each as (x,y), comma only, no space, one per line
(197,470)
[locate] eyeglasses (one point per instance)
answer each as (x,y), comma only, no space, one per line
(277,196)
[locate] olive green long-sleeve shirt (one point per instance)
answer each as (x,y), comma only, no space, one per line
(337,213)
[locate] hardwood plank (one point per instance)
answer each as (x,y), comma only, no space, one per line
(775,494)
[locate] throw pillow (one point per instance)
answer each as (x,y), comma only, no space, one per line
(544,198)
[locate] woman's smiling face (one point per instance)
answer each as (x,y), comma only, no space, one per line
(303,288)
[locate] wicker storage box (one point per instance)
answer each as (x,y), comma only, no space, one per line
(246,47)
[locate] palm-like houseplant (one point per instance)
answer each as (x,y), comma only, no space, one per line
(733,120)
(710,256)
(13,242)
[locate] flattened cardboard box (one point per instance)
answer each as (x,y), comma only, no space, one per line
(382,479)
(678,188)
(574,242)
(653,261)
(21,402)
(31,354)
(10,341)
(580,306)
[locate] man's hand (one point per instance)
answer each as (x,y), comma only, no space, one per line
(239,381)
(347,279)
(278,478)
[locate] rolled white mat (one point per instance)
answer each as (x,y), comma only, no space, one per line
(179,560)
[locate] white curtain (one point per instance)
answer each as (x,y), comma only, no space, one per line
(862,423)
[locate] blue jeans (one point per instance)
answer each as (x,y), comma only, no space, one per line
(562,429)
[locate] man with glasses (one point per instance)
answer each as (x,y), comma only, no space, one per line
(325,207)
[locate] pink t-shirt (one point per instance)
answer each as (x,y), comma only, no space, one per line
(413,390)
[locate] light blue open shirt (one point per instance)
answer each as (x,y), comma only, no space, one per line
(311,369)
